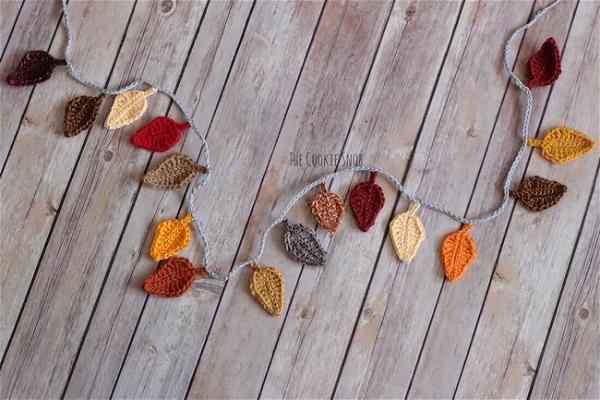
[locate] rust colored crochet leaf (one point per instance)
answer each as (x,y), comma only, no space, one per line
(268,286)
(35,67)
(302,245)
(458,252)
(544,66)
(159,135)
(171,237)
(537,193)
(81,114)
(407,233)
(561,145)
(173,173)
(328,209)
(366,200)
(173,277)
(128,107)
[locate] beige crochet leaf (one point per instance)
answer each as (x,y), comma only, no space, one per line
(268,286)
(407,233)
(128,107)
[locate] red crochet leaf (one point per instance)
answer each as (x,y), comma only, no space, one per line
(173,278)
(35,67)
(366,200)
(544,66)
(159,135)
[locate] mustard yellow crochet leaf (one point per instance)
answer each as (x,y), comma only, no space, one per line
(171,237)
(128,107)
(407,233)
(268,286)
(561,145)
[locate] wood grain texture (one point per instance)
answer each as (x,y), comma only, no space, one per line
(317,122)
(9,10)
(415,87)
(569,367)
(242,135)
(402,297)
(462,301)
(79,249)
(121,300)
(14,100)
(520,302)
(40,163)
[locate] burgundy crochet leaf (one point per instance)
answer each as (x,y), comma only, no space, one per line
(366,200)
(544,66)
(159,135)
(35,67)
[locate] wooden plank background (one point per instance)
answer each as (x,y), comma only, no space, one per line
(415,87)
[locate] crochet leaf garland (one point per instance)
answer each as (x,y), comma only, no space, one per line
(544,66)
(458,253)
(302,245)
(407,233)
(159,135)
(171,237)
(561,145)
(35,67)
(538,194)
(81,114)
(173,278)
(366,200)
(128,107)
(328,209)
(173,173)
(268,286)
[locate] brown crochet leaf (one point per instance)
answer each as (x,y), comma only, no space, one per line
(173,278)
(302,245)
(328,209)
(537,193)
(81,114)
(173,173)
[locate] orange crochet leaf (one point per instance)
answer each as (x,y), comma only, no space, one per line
(171,237)
(173,278)
(561,145)
(458,252)
(328,209)
(268,286)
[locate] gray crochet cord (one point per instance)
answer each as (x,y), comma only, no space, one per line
(205,178)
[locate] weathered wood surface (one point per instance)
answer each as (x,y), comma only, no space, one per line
(414,87)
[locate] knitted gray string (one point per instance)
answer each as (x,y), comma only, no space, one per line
(205,178)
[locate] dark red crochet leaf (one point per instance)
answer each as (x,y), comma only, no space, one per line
(159,135)
(35,67)
(366,200)
(544,66)
(173,278)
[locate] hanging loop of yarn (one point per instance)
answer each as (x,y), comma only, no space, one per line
(203,179)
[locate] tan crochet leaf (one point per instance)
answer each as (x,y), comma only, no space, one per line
(458,252)
(538,194)
(561,145)
(407,233)
(328,209)
(171,237)
(81,114)
(268,286)
(128,107)
(173,173)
